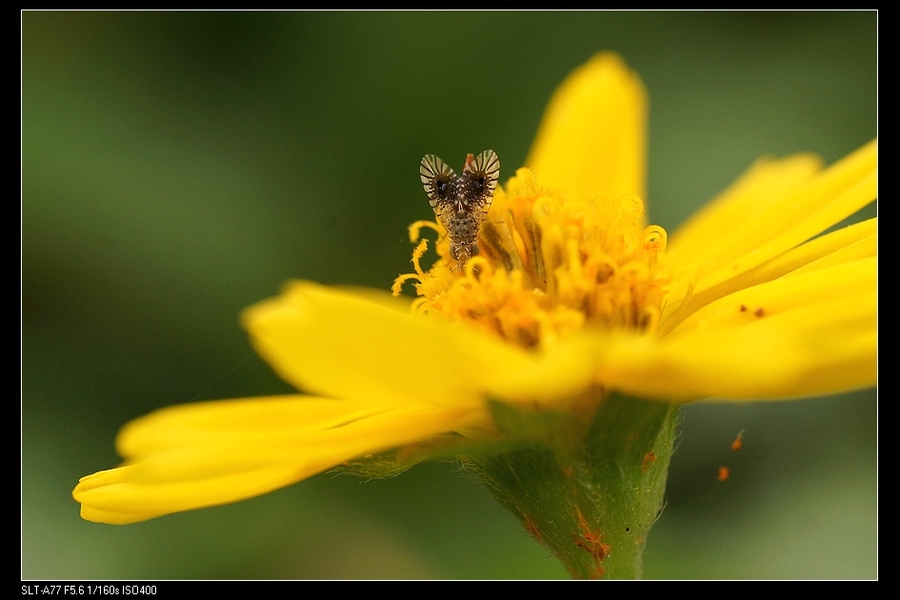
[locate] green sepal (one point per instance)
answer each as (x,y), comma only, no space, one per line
(391,463)
(448,447)
(589,487)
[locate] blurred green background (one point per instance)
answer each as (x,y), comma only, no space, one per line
(178,167)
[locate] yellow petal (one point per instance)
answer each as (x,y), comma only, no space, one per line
(800,335)
(847,244)
(556,377)
(592,138)
(343,345)
(253,419)
(849,279)
(773,208)
(114,497)
(211,453)
(738,211)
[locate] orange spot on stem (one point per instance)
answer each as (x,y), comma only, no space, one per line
(589,541)
(649,459)
(532,528)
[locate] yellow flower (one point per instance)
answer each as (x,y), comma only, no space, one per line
(571,297)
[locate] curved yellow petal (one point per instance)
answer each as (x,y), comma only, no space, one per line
(340,344)
(555,378)
(755,363)
(211,453)
(592,138)
(800,335)
(850,243)
(773,208)
(116,498)
(719,230)
(250,419)
(847,244)
(809,287)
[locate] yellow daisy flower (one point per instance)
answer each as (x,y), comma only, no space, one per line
(572,301)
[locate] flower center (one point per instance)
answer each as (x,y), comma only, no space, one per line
(549,265)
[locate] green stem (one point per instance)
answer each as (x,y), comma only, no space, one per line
(590,494)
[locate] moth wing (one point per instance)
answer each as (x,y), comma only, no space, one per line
(437,178)
(486,165)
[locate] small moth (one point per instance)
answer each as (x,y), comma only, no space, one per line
(461,202)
